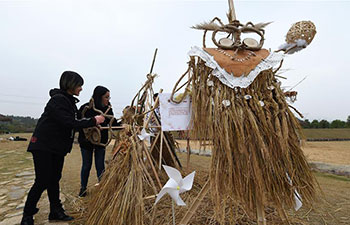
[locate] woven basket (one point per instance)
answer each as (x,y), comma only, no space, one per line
(304,30)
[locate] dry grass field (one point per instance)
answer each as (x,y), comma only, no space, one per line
(335,152)
(333,208)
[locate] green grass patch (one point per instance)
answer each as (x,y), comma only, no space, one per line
(327,133)
(15,157)
(332,176)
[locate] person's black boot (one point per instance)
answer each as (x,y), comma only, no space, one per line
(82,192)
(59,215)
(27,220)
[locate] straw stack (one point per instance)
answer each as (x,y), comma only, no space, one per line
(119,196)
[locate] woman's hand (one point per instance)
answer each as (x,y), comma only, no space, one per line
(99,119)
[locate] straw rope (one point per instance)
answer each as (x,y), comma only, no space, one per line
(93,134)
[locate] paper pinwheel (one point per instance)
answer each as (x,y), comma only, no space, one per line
(145,135)
(297,197)
(176,185)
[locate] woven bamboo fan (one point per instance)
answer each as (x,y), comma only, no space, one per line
(304,30)
(299,36)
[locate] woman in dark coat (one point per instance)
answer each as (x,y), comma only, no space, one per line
(51,141)
(101,98)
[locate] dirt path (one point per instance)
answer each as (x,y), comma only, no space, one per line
(16,177)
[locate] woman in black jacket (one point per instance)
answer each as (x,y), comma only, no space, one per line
(101,98)
(51,141)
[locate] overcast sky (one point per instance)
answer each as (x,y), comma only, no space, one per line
(111,43)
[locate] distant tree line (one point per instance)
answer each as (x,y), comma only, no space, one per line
(19,124)
(26,124)
(325,124)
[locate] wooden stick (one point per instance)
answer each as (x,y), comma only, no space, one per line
(168,147)
(154,143)
(147,173)
(188,150)
(173,211)
(152,110)
(232,10)
(149,79)
(146,124)
(186,219)
(161,150)
(171,154)
(146,107)
(153,168)
(154,59)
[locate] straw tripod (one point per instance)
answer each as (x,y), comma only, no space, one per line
(131,177)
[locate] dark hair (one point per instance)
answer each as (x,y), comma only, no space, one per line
(99,91)
(70,80)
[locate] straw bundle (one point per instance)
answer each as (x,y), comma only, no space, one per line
(119,197)
(255,141)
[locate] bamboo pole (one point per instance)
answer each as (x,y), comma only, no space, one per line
(171,153)
(154,59)
(154,143)
(232,10)
(147,107)
(147,173)
(148,80)
(161,150)
(153,169)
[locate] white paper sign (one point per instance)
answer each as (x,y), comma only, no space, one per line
(174,116)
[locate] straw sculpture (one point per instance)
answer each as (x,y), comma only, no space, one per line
(255,146)
(131,176)
(238,103)
(119,197)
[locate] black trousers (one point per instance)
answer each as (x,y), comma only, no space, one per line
(48,172)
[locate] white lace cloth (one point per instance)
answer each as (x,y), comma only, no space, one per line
(227,78)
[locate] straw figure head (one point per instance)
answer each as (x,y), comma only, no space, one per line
(233,30)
